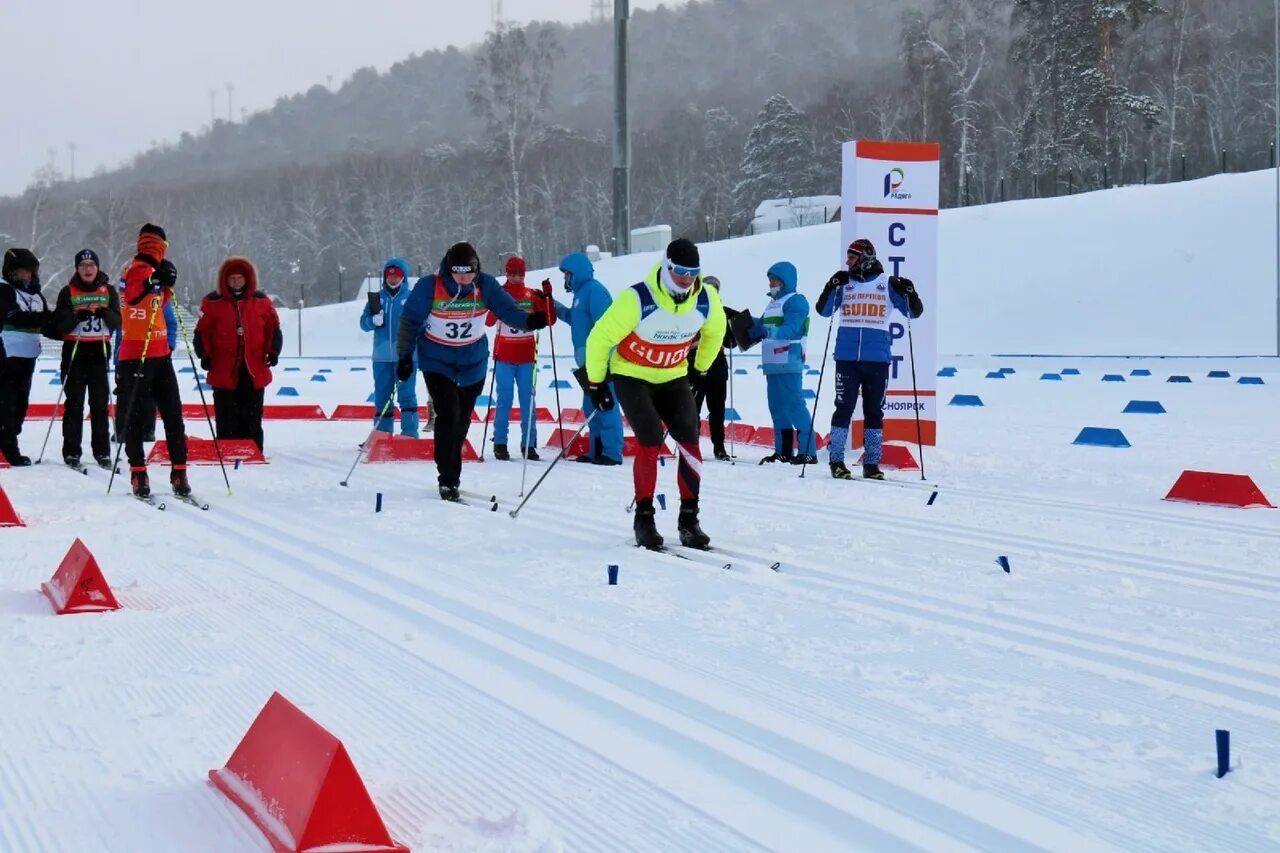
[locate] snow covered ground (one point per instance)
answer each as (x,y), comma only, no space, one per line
(889,688)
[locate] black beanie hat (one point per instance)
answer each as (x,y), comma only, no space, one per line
(19,259)
(683,252)
(153,229)
(461,258)
(87,255)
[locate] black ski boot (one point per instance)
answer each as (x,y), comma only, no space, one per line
(530,453)
(605,460)
(647,535)
(871,471)
(691,535)
(500,453)
(139,482)
(104,461)
(788,444)
(804,459)
(178,481)
(720,453)
(840,472)
(451,494)
(71,461)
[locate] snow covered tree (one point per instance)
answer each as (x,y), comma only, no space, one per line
(778,160)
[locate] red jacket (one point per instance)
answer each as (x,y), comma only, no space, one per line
(517,346)
(238,330)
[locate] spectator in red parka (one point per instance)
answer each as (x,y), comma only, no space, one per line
(238,341)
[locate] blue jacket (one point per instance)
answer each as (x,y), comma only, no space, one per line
(854,344)
(467,364)
(384,336)
(590,300)
(794,325)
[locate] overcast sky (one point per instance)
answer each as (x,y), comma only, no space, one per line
(111,76)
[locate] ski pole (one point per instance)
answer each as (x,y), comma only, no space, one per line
(137,381)
(70,364)
(492,411)
(555,374)
(915,394)
(217,448)
(822,372)
(386,407)
(532,415)
(564,448)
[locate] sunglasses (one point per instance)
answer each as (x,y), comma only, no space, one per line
(678,269)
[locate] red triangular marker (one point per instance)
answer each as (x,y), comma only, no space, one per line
(78,586)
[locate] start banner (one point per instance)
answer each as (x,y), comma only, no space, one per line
(889,194)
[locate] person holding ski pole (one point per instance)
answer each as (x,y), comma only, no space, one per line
(145,372)
(590,302)
(443,322)
(514,353)
(865,298)
(642,343)
(716,387)
(86,314)
(170,315)
(783,329)
(381,315)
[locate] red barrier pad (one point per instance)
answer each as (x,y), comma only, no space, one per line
(78,585)
(194,412)
(631,444)
(385,447)
(349,412)
(1205,487)
(293,412)
(581,445)
(201,451)
(572,416)
(295,781)
(45,411)
(8,515)
(897,458)
(762,437)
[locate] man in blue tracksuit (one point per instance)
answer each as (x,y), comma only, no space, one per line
(865,298)
(443,323)
(590,300)
(385,325)
(782,331)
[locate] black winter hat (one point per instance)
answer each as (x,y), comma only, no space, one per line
(19,259)
(461,258)
(153,229)
(683,252)
(87,255)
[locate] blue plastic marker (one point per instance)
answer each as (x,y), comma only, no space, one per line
(377,503)
(237,465)
(662,501)
(1003,562)
(1224,752)
(933,497)
(613,574)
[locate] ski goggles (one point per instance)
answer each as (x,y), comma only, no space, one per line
(680,269)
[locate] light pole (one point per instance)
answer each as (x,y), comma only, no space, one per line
(622,132)
(1277,117)
(341,270)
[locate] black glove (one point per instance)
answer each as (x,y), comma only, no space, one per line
(166,274)
(205,363)
(601,396)
(536,320)
(84,315)
(273,358)
(404,368)
(697,384)
(902,286)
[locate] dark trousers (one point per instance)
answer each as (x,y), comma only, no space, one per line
(452,404)
(146,387)
(239,411)
(15,393)
(651,409)
(716,388)
(868,377)
(86,372)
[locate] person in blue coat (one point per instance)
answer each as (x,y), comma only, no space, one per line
(443,324)
(385,325)
(590,300)
(782,332)
(865,298)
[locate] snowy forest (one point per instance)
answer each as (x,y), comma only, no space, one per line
(508,143)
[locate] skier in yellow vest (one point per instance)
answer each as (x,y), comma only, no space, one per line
(641,344)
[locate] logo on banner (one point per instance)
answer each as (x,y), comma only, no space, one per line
(894,179)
